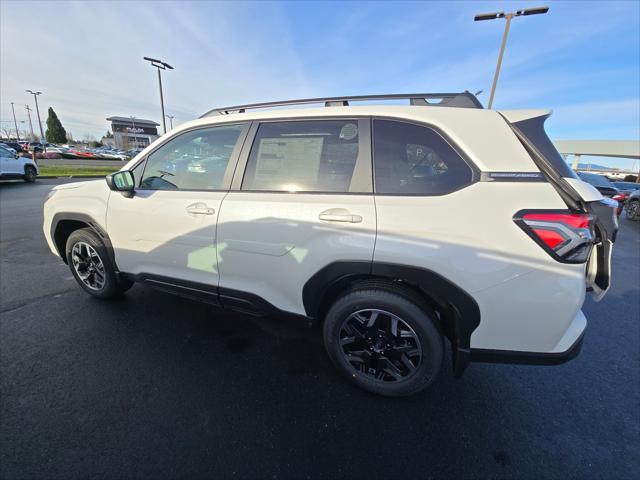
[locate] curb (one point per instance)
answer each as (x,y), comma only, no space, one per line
(48,177)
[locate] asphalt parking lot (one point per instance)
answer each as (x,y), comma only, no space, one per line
(155,386)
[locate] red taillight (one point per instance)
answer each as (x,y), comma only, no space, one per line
(618,197)
(567,237)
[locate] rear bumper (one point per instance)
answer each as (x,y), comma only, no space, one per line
(567,348)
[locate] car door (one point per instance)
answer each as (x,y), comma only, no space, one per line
(10,164)
(4,157)
(301,199)
(166,231)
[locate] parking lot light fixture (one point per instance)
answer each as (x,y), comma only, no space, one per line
(42,139)
(160,65)
(170,117)
(508,17)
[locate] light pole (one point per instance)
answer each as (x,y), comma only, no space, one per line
(160,65)
(170,117)
(30,124)
(135,138)
(507,17)
(42,139)
(14,121)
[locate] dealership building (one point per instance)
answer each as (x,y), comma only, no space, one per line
(131,132)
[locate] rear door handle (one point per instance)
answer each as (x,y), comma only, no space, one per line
(200,209)
(339,215)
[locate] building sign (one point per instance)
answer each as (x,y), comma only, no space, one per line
(118,127)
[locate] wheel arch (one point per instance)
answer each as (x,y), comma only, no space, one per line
(64,224)
(459,312)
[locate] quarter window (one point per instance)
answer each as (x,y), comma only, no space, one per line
(303,156)
(414,160)
(195,160)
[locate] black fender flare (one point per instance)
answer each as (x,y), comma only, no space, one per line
(464,309)
(91,223)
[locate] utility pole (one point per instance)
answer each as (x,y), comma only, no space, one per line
(135,137)
(30,124)
(160,65)
(508,17)
(14,121)
(42,139)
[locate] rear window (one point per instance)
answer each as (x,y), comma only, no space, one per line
(415,160)
(533,129)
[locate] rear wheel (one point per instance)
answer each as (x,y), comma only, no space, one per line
(30,174)
(633,210)
(91,266)
(383,341)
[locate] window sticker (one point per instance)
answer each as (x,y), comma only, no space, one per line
(288,161)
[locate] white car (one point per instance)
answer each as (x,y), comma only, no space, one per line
(56,149)
(396,228)
(13,167)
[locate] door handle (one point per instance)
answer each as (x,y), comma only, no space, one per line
(200,209)
(339,215)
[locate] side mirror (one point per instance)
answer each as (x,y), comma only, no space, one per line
(122,181)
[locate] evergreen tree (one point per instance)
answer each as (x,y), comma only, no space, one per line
(55,131)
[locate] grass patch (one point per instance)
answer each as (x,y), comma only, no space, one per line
(71,171)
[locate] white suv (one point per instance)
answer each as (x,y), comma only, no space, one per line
(14,167)
(394,227)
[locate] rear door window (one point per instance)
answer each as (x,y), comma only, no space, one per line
(303,156)
(412,159)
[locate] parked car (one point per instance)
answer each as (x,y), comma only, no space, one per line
(13,167)
(605,187)
(35,147)
(13,145)
(56,149)
(357,218)
(633,205)
(7,147)
(626,187)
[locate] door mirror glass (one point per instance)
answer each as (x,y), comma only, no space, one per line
(122,181)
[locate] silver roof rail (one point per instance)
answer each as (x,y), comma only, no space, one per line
(461,100)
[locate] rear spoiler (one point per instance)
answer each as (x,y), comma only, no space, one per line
(517,118)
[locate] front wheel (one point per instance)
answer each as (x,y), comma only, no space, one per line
(30,174)
(633,210)
(91,266)
(384,342)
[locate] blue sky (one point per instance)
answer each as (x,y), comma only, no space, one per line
(582,59)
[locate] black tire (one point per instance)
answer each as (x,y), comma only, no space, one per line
(30,174)
(414,314)
(633,210)
(106,283)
